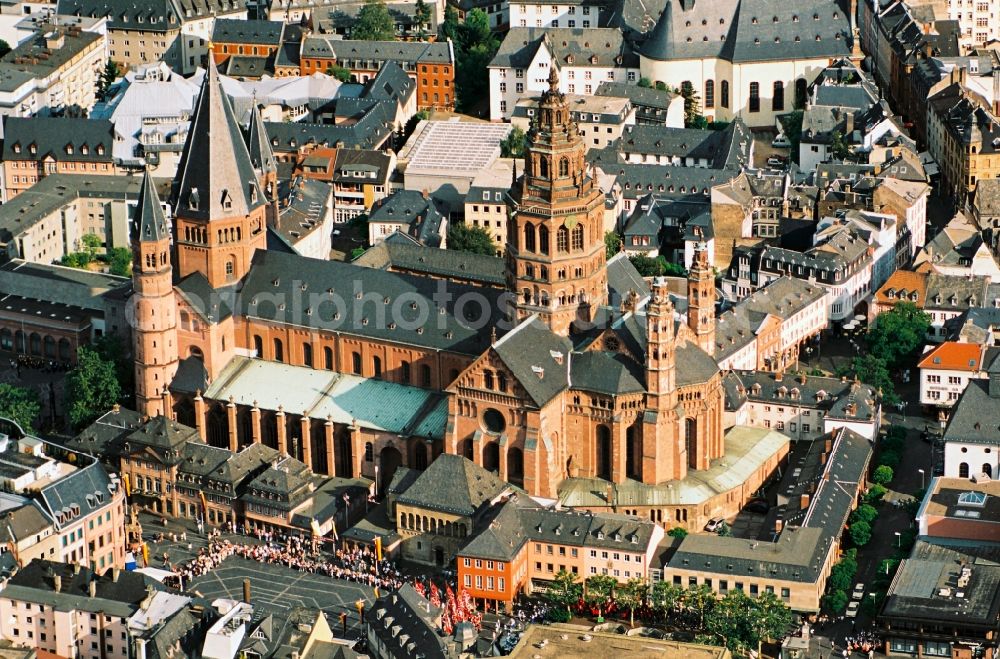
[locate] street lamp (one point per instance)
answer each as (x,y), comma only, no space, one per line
(921,478)
(899,538)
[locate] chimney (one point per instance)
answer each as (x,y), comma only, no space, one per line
(850,125)
(778,525)
(92,587)
(828,445)
(804,501)
(115,573)
(246,591)
(777,376)
(57,583)
(803,379)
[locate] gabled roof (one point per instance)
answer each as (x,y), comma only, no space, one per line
(215,177)
(953,356)
(466,484)
(258,145)
(61,138)
(538,359)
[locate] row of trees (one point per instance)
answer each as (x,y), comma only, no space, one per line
(735,620)
(475,45)
(118,259)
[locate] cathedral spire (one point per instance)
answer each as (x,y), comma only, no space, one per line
(258,144)
(150,221)
(215,176)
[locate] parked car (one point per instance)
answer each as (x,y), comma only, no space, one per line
(776,163)
(852,609)
(757,506)
(859,591)
(781,142)
(714,524)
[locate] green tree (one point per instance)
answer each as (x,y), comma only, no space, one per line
(357,252)
(883,474)
(92,388)
(374,23)
(600,589)
(665,597)
(662,86)
(106,79)
(515,144)
(692,107)
(120,261)
(874,371)
(631,595)
(861,533)
(411,123)
(898,334)
(450,25)
(475,45)
(864,513)
(890,459)
(656,267)
(339,72)
(791,126)
(19,404)
(728,620)
(468,238)
(612,244)
(699,600)
(678,532)
(839,148)
(4,48)
(564,591)
(875,493)
(645,83)
(76,260)
(836,601)
(724,530)
(91,243)
(769,618)
(422,14)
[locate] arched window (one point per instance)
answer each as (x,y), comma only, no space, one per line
(801,89)
(279,351)
(377,366)
(369,452)
(501,382)
(963,470)
(328,358)
(988,469)
(488,379)
(754,100)
(543,168)
(724,99)
(529,237)
(543,239)
(564,167)
(185,320)
(404,372)
(709,93)
(603,453)
(578,237)
(258,346)
(425,375)
(307,354)
(562,240)
(778,96)
(356,362)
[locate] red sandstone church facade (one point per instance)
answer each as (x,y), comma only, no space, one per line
(576,390)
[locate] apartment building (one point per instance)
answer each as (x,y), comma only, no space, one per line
(486,201)
(946,370)
(559,13)
(963,137)
(56,70)
(360,180)
(175,32)
(601,119)
(71,611)
(583,58)
(36,147)
(430,64)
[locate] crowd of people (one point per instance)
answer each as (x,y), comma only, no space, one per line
(354,564)
(865,641)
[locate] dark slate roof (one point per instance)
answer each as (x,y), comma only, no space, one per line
(350,162)
(212,304)
(247,66)
(502,535)
(191,376)
(975,417)
(720,148)
(831,394)
(391,83)
(623,279)
(90,140)
(369,132)
(605,373)
(425,216)
(749,31)
(407,621)
(284,484)
(23,523)
(149,213)
(399,255)
(694,365)
(608,45)
(230,30)
(955,292)
(293,277)
(258,144)
(215,165)
(783,297)
(165,437)
(80,488)
(118,593)
(646,97)
(467,485)
(151,16)
(379,51)
(533,354)
(33,58)
(103,437)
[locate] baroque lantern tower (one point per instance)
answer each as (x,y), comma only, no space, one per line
(155,333)
(555,254)
(701,298)
(219,206)
(663,455)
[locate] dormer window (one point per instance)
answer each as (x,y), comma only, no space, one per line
(100,149)
(84,150)
(17,148)
(69,149)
